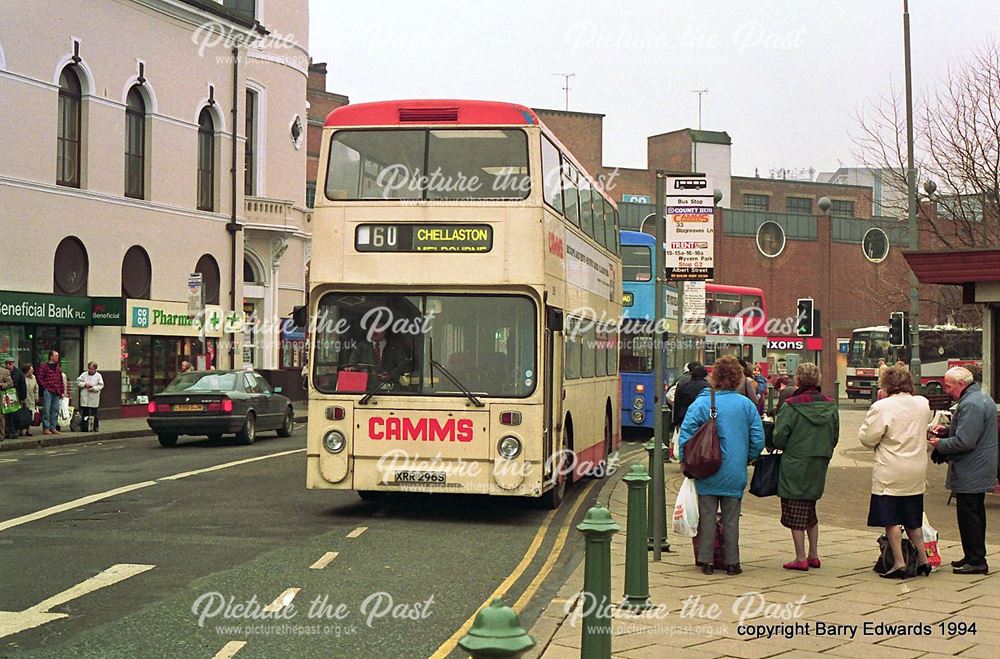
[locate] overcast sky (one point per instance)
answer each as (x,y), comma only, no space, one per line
(785,78)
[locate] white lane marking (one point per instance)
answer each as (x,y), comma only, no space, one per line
(83,501)
(13,622)
(325,560)
(283,600)
(69,505)
(229,649)
(229,464)
(8,459)
(53,454)
(356,532)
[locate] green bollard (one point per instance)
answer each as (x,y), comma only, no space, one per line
(836,392)
(598,527)
(497,632)
(636,565)
(650,446)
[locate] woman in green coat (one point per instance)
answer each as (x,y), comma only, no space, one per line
(806,429)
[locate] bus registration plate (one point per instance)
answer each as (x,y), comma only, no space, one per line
(430,477)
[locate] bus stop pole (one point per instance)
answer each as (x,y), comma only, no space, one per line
(659,493)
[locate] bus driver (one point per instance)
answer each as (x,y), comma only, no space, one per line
(386,360)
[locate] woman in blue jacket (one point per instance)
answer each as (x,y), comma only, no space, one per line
(741,437)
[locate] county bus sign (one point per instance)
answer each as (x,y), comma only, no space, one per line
(690,235)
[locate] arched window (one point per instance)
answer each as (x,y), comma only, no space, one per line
(209,270)
(137,274)
(135,144)
(249,276)
(68,132)
(206,161)
(250,146)
(71,267)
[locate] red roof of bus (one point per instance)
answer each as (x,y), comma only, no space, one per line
(726,288)
(432,111)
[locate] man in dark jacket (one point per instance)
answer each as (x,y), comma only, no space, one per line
(970,449)
(687,391)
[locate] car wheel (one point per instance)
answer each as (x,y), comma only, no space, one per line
(248,432)
(167,440)
(286,429)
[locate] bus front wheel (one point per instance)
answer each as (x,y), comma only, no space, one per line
(563,473)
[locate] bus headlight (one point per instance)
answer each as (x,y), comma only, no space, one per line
(334,441)
(638,402)
(509,447)
(638,416)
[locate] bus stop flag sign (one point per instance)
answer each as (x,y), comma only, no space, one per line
(690,215)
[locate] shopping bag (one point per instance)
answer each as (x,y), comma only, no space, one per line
(10,402)
(931,544)
(23,418)
(886,560)
(686,510)
(37,420)
(76,421)
(64,411)
(703,453)
(764,482)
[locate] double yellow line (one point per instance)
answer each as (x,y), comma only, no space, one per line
(529,557)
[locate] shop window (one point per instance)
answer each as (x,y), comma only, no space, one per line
(71,267)
(209,270)
(137,274)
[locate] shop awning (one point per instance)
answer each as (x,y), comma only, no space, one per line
(957,266)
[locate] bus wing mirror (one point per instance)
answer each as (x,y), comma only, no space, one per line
(300,316)
(553,319)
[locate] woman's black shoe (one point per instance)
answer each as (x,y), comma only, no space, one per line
(895,574)
(708,568)
(733,570)
(924,570)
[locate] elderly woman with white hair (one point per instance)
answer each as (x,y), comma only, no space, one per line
(969,446)
(90,383)
(895,428)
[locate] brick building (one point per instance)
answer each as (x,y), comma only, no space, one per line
(787,196)
(321,103)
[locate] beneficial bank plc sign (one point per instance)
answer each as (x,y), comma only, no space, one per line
(45,309)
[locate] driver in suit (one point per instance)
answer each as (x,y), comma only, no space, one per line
(386,360)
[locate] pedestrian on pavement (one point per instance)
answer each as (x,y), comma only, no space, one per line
(749,386)
(31,399)
(5,383)
(896,428)
(761,381)
(90,383)
(970,448)
(784,389)
(806,430)
(741,438)
(14,427)
(52,383)
(687,391)
(185,367)
(671,398)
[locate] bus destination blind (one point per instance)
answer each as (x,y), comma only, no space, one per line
(468,238)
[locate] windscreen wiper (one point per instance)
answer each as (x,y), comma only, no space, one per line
(465,390)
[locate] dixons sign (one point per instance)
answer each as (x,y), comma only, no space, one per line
(794,343)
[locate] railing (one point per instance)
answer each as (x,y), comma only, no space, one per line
(262,210)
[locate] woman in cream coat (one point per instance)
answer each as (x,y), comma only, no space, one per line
(896,428)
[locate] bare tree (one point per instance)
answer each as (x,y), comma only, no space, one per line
(956,145)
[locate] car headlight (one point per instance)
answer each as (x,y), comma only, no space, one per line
(638,416)
(638,402)
(509,447)
(334,441)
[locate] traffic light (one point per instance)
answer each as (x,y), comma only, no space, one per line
(897,329)
(804,317)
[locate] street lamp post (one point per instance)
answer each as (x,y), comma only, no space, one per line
(911,203)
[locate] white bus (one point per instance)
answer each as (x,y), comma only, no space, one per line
(490,257)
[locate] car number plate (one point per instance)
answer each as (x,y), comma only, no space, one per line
(188,408)
(407,476)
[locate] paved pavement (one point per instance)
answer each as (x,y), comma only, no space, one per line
(842,609)
(110,429)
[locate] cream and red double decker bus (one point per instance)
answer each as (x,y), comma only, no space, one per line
(465,287)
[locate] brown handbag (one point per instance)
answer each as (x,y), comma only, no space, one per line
(702,453)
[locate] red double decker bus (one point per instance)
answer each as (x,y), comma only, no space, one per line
(735,319)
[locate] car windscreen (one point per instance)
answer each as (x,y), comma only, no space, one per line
(189,382)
